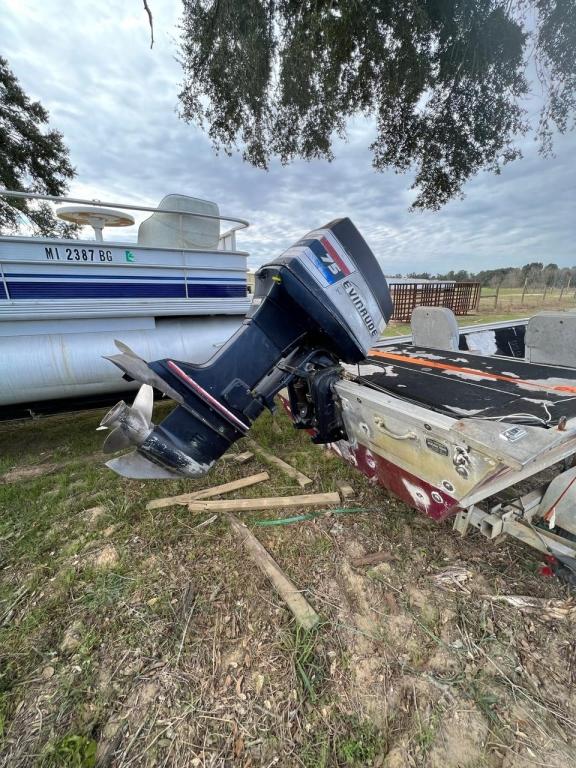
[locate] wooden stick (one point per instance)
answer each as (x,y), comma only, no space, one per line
(346,490)
(274,502)
(300,478)
(239,458)
(216,490)
(303,612)
(372,559)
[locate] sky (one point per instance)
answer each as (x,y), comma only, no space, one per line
(116,103)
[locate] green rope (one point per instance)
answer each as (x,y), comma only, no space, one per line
(312,516)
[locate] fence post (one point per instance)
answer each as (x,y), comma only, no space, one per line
(565,287)
(496,296)
(544,294)
(524,291)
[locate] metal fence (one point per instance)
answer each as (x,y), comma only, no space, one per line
(529,295)
(461,298)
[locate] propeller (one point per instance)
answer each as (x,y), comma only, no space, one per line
(156,456)
(130,425)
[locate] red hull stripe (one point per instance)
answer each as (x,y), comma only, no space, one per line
(206,396)
(335,256)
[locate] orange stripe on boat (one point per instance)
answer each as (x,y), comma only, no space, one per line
(471,371)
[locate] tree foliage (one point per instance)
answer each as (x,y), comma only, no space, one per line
(443,80)
(33,158)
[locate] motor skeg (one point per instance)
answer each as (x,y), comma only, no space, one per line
(323,301)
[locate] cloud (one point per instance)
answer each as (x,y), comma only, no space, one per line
(116,103)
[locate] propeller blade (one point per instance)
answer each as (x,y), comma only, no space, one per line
(112,418)
(125,349)
(136,467)
(143,403)
(117,440)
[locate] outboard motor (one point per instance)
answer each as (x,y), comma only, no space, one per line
(322,302)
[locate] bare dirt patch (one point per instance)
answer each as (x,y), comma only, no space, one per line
(107,557)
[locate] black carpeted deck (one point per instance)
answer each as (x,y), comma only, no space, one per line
(461,384)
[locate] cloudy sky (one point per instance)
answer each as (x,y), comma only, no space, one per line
(115,101)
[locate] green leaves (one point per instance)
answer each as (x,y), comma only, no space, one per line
(443,80)
(33,158)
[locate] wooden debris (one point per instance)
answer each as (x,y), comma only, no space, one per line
(9,612)
(274,502)
(372,559)
(204,523)
(239,458)
(300,478)
(20,474)
(216,490)
(303,612)
(539,607)
(455,576)
(346,490)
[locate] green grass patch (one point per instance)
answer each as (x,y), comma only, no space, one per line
(362,743)
(308,665)
(72,751)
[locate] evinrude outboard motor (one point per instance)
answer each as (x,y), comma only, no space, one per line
(322,302)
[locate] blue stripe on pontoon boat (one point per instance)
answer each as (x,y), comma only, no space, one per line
(43,275)
(36,290)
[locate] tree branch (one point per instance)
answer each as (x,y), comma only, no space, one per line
(150,19)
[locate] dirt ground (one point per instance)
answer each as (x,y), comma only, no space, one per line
(138,638)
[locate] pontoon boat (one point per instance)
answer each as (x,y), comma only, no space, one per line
(180,285)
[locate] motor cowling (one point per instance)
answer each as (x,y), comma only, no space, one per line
(323,301)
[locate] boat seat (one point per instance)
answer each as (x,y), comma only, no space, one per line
(434,327)
(550,338)
(170,230)
(460,384)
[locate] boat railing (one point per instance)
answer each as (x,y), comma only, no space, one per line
(227,239)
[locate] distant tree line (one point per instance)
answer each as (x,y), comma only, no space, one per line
(535,273)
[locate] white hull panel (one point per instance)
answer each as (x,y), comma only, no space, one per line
(47,362)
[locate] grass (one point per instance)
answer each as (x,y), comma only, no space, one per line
(157,643)
(478,318)
(363,744)
(509,307)
(536,290)
(71,751)
(308,665)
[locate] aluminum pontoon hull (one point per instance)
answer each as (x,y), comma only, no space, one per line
(67,358)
